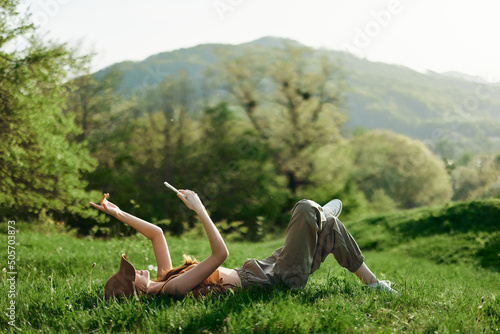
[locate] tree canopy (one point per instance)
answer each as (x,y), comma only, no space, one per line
(41,169)
(403,168)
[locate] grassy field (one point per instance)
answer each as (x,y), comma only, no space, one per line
(444,261)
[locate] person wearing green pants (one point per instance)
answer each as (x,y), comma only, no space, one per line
(313,233)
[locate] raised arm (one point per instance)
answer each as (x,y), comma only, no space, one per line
(150,231)
(192,278)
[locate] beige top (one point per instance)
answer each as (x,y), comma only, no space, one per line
(229,277)
(220,280)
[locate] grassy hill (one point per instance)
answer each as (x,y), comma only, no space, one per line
(467,233)
(442,260)
(448,112)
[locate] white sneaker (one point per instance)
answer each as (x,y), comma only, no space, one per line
(382,286)
(332,208)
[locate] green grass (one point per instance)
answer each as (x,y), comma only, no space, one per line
(445,284)
(466,233)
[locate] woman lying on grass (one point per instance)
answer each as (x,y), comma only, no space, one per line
(312,234)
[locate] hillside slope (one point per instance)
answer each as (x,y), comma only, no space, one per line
(467,232)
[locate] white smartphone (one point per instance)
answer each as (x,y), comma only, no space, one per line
(171,187)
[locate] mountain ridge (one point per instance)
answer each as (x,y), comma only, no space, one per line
(442,109)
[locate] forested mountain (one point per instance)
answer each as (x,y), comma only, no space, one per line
(449,112)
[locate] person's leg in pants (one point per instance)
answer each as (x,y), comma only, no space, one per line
(295,258)
(309,239)
(334,238)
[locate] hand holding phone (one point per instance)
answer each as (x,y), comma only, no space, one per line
(171,187)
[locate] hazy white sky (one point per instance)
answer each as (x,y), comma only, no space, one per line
(437,35)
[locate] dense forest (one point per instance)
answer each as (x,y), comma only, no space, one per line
(250,128)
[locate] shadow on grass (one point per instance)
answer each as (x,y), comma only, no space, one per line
(252,310)
(247,305)
(490,254)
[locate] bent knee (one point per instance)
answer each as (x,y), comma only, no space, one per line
(305,205)
(309,211)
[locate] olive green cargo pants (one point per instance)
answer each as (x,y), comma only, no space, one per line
(310,238)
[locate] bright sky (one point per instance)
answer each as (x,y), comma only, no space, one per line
(437,35)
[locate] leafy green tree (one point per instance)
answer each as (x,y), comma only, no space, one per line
(41,170)
(403,168)
(161,149)
(95,107)
(332,178)
(106,120)
(218,156)
(292,99)
(476,177)
(237,178)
